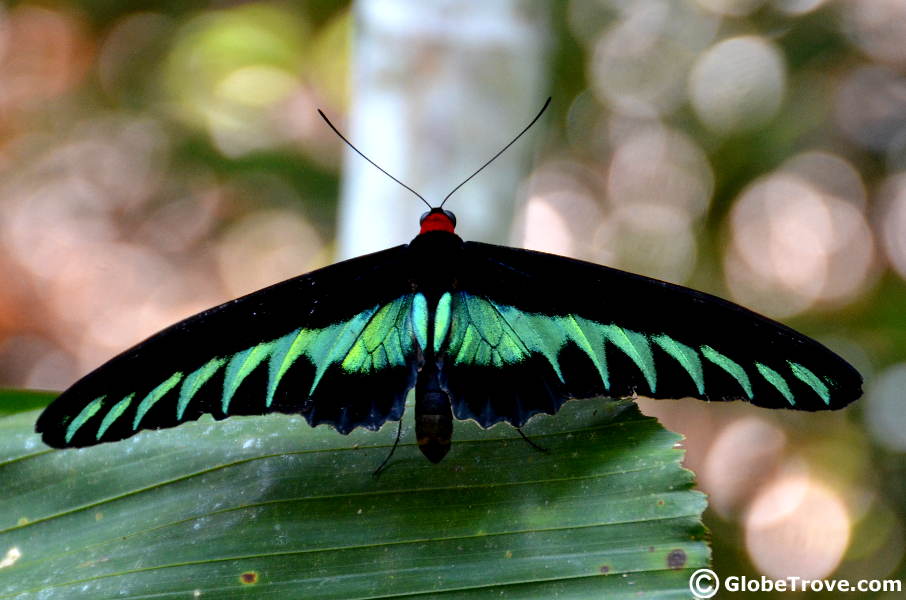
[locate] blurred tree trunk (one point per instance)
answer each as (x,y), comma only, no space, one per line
(438,88)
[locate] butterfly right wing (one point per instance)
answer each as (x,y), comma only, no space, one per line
(524,331)
(337,345)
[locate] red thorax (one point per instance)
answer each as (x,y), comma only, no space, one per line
(437,222)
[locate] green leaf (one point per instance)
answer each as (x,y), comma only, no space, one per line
(16,401)
(266,507)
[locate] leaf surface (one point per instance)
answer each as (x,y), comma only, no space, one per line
(267,507)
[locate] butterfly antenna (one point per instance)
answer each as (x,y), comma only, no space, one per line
(493,158)
(348,143)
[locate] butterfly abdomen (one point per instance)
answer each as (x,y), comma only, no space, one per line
(433,415)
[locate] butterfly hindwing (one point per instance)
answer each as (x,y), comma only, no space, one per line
(338,345)
(528,330)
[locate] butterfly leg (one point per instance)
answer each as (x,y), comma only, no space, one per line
(380,469)
(531,443)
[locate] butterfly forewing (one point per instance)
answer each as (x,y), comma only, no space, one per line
(337,345)
(528,330)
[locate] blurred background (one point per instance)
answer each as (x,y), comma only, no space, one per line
(159,159)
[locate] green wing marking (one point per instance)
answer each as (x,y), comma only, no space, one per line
(810,379)
(479,334)
(388,338)
(636,347)
(240,367)
(325,347)
(153,396)
(89,411)
(442,321)
(193,383)
(687,358)
(485,333)
(547,336)
(589,337)
(730,366)
(378,337)
(777,380)
(113,414)
(420,319)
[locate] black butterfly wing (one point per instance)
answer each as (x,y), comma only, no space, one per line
(336,345)
(524,331)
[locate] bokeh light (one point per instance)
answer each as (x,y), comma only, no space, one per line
(738,84)
(798,7)
(878,27)
(743,457)
(230,70)
(542,214)
(286,244)
(830,173)
(45,53)
(639,62)
(794,246)
(732,8)
(871,106)
(884,408)
(653,232)
(893,221)
(797,527)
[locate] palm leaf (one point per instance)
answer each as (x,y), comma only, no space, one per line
(267,507)
(16,401)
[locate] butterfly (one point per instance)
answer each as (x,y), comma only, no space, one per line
(482,332)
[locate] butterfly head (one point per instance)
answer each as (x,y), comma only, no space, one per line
(437,219)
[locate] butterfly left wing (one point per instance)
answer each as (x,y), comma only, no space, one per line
(524,331)
(337,345)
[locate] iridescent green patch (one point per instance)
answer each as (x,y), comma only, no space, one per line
(777,380)
(636,347)
(113,414)
(485,333)
(687,358)
(482,332)
(89,411)
(730,366)
(373,339)
(544,335)
(325,347)
(239,367)
(153,396)
(420,319)
(479,334)
(441,321)
(590,338)
(810,379)
(284,353)
(193,383)
(386,341)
